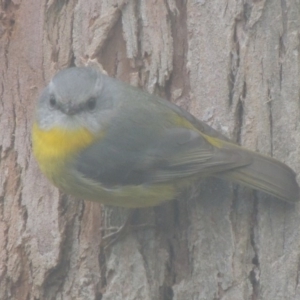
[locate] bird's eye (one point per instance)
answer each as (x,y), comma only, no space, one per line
(91,103)
(52,101)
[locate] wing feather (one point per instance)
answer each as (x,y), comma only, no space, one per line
(176,153)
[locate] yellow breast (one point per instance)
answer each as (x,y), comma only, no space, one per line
(52,148)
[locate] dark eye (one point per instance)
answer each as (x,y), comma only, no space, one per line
(91,103)
(52,101)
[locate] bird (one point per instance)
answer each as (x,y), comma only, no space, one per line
(103,140)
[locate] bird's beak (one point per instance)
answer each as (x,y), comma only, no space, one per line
(70,109)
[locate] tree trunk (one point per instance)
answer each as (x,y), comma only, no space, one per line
(235,65)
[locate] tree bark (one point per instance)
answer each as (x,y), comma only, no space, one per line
(234,64)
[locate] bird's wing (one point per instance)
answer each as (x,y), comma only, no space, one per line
(176,153)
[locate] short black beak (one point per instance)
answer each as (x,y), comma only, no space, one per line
(70,109)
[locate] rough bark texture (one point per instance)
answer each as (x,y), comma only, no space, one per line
(234,64)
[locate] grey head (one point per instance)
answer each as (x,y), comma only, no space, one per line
(74,99)
(73,86)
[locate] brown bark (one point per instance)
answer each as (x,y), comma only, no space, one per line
(234,64)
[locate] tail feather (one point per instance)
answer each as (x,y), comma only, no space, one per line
(268,175)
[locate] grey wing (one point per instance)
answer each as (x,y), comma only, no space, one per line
(201,126)
(177,153)
(186,153)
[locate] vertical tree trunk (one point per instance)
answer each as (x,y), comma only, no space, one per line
(235,65)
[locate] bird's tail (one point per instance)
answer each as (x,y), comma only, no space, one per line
(268,175)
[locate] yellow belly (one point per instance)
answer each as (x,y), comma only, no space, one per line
(55,149)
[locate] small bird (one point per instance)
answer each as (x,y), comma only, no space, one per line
(103,140)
